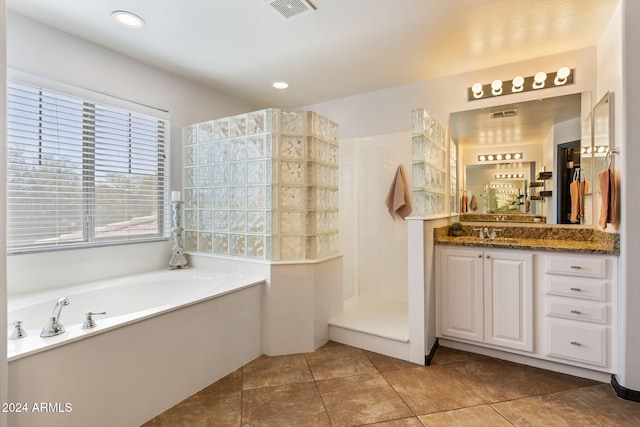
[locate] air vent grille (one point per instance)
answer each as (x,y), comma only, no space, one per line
(290,8)
(505,113)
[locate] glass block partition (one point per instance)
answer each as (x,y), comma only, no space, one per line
(429,165)
(262,185)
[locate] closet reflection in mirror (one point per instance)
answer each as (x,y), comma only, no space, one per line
(534,129)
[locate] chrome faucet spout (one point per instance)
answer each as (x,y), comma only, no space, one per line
(58,307)
(53,326)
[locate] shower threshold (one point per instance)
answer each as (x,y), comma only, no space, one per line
(380,318)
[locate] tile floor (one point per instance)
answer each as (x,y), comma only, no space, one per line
(339,385)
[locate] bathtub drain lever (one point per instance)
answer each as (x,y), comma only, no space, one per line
(89,322)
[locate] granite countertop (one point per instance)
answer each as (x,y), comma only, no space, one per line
(555,238)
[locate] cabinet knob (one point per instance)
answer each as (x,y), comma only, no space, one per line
(576,311)
(576,343)
(479,255)
(488,256)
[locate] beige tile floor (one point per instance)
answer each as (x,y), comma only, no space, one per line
(339,385)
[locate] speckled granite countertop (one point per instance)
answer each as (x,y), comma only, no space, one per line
(555,238)
(503,217)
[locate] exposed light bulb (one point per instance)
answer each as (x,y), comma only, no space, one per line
(517,84)
(562,75)
(507,156)
(477,90)
(496,87)
(482,158)
(498,156)
(539,79)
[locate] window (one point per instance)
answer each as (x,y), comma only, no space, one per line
(81,172)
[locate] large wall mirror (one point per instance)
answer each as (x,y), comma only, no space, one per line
(511,156)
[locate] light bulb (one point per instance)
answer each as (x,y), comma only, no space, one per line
(477,90)
(561,76)
(539,79)
(518,84)
(496,87)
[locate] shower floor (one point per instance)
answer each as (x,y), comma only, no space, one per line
(381,318)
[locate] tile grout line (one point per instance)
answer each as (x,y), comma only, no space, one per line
(315,383)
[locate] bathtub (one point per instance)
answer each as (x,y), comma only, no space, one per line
(165,335)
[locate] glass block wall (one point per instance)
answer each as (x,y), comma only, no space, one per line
(262,185)
(429,165)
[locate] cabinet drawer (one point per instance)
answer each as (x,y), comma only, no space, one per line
(577,266)
(596,313)
(586,344)
(576,287)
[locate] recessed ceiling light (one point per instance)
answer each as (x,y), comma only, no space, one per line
(281,85)
(128,19)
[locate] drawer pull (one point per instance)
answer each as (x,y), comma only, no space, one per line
(576,289)
(576,311)
(576,267)
(576,343)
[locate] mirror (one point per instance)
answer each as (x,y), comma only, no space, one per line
(515,145)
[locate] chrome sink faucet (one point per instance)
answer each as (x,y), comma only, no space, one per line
(482,233)
(53,326)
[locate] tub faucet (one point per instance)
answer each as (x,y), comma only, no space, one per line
(53,326)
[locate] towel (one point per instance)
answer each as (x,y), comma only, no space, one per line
(574,190)
(473,205)
(608,198)
(464,203)
(527,205)
(399,199)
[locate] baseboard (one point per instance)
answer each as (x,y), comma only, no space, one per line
(623,392)
(429,357)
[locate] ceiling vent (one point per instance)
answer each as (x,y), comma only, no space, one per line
(290,8)
(505,113)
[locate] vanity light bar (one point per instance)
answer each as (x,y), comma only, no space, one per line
(508,175)
(499,157)
(540,80)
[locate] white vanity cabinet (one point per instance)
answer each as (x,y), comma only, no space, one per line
(579,307)
(485,296)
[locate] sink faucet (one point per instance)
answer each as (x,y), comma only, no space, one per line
(53,326)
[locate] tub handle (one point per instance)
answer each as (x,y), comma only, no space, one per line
(89,322)
(18,332)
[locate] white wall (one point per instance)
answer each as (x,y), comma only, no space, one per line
(373,243)
(389,110)
(3,237)
(46,52)
(628,133)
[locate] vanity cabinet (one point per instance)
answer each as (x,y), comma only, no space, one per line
(578,308)
(485,296)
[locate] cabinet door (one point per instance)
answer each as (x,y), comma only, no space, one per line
(460,294)
(508,286)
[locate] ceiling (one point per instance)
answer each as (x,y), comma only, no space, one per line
(344,47)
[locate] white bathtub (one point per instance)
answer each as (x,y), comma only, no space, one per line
(166,335)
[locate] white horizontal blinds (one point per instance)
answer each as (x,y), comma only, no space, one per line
(129,172)
(81,172)
(44,167)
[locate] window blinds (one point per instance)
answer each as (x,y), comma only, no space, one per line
(80,172)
